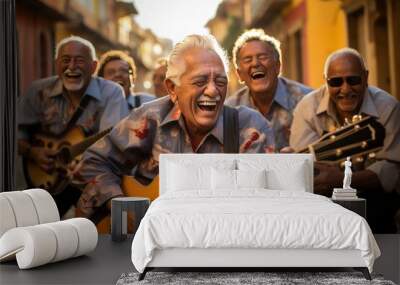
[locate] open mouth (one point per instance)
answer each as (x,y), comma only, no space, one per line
(257,75)
(73,75)
(208,104)
(346,97)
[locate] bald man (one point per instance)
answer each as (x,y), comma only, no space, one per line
(346,93)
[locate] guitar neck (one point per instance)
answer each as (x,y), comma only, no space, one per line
(79,148)
(359,138)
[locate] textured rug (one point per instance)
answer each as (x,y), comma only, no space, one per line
(231,278)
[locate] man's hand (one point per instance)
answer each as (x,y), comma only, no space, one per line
(73,171)
(287,149)
(326,177)
(42,157)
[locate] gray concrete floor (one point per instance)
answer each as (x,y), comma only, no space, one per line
(110,259)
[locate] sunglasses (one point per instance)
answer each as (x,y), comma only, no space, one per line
(338,81)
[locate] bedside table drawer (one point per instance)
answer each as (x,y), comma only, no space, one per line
(358,206)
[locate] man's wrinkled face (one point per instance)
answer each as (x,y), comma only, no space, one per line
(158,81)
(202,90)
(346,81)
(258,66)
(118,71)
(74,65)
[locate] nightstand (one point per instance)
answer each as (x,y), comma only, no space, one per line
(120,207)
(358,205)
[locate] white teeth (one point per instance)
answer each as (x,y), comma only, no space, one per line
(205,98)
(207,103)
(69,72)
(340,96)
(73,74)
(258,73)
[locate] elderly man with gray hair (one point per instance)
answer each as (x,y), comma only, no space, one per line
(192,119)
(257,59)
(345,94)
(55,105)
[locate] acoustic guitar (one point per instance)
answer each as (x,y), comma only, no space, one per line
(66,148)
(131,188)
(362,136)
(359,138)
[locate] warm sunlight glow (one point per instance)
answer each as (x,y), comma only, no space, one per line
(174,19)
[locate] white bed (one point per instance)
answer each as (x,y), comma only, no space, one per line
(203,219)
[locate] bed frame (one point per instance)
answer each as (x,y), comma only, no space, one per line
(246,259)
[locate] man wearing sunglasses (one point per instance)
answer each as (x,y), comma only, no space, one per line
(345,94)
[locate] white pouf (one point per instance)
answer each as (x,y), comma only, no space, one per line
(40,244)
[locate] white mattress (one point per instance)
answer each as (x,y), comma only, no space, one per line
(253,218)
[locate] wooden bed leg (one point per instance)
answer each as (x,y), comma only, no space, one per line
(364,271)
(143,274)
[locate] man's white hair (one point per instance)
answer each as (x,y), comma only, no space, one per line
(341,52)
(80,40)
(256,35)
(176,64)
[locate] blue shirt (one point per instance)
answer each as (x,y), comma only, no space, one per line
(46,106)
(137,99)
(157,127)
(288,93)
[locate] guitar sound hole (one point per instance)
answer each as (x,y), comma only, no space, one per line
(50,145)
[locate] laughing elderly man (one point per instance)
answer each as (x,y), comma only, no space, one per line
(257,59)
(117,66)
(189,120)
(55,105)
(346,93)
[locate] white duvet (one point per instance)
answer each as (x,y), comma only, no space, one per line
(253,218)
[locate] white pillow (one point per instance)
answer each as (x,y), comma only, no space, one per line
(187,175)
(282,174)
(184,177)
(225,179)
(292,179)
(251,178)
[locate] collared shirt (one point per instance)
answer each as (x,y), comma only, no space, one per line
(315,116)
(137,99)
(155,128)
(288,93)
(47,107)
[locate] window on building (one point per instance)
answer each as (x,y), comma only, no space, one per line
(393,13)
(368,33)
(293,56)
(356,31)
(44,56)
(382,47)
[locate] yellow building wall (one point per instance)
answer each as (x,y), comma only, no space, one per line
(325,32)
(295,3)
